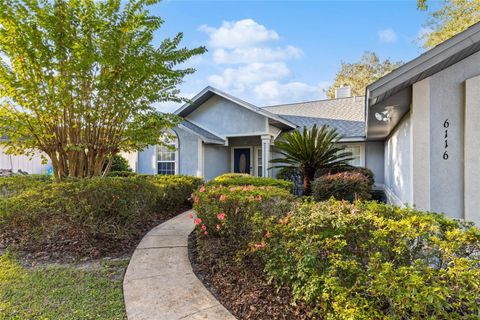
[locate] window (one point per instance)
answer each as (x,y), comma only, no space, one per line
(166,156)
(356,151)
(259,162)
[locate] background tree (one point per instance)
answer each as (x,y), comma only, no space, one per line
(453,17)
(359,74)
(309,151)
(79,80)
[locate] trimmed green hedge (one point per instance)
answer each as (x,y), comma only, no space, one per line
(236,213)
(238,179)
(90,212)
(375,261)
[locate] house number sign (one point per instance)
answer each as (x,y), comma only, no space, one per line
(446,124)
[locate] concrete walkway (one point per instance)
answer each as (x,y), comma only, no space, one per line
(159,282)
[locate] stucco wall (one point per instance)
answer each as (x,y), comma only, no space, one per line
(374,160)
(398,184)
(217,161)
(147,161)
(447,101)
(223,117)
(188,152)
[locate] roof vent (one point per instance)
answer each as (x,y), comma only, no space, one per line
(343,92)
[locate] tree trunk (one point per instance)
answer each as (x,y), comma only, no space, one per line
(308,176)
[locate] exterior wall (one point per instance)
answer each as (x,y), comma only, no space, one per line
(30,165)
(398,163)
(188,160)
(225,118)
(217,161)
(189,147)
(147,160)
(374,160)
(447,101)
(446,170)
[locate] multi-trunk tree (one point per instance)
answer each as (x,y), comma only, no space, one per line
(79,80)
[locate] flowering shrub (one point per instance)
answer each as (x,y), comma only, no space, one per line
(342,186)
(239,179)
(236,213)
(375,261)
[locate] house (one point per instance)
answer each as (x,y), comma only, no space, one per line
(221,133)
(417,129)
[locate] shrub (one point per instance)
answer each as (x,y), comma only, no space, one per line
(121,174)
(90,213)
(15,184)
(173,189)
(238,179)
(364,171)
(119,163)
(235,213)
(375,261)
(342,186)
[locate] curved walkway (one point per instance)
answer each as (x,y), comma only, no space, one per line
(159,282)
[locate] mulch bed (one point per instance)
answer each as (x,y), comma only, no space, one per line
(67,243)
(240,286)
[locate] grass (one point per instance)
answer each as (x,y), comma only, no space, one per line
(61,292)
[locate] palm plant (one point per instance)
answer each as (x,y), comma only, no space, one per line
(310,150)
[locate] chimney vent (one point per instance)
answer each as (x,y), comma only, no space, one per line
(343,92)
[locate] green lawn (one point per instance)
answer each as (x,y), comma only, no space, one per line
(61,292)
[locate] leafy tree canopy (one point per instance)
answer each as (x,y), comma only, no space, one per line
(79,80)
(358,75)
(453,17)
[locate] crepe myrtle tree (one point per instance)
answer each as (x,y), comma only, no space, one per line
(79,80)
(310,150)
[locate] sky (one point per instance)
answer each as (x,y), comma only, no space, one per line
(275,52)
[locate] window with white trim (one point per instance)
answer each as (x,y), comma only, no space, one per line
(166,156)
(259,162)
(356,151)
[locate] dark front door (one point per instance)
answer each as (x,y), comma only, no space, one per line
(241,160)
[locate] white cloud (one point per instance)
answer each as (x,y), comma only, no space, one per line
(255,54)
(273,92)
(252,63)
(244,76)
(239,34)
(387,35)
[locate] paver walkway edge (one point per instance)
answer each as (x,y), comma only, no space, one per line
(159,282)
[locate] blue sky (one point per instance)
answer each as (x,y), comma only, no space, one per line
(269,52)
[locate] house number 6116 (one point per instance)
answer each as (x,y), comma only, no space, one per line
(446,124)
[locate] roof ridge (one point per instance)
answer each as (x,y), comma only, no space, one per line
(311,101)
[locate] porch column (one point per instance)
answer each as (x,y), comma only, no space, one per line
(266,141)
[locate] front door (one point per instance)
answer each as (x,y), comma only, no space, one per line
(241,160)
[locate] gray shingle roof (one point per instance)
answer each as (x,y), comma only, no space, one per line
(347,128)
(204,134)
(347,115)
(352,109)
